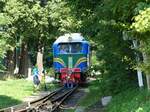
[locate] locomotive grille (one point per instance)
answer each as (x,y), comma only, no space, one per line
(70,62)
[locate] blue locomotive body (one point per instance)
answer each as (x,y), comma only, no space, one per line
(71,54)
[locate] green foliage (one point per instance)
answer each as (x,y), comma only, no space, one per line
(2,48)
(61,16)
(46,86)
(140,7)
(141,23)
(105,25)
(95,65)
(117,60)
(4,39)
(130,100)
(141,26)
(28,22)
(26,18)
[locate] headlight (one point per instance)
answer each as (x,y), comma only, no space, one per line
(68,77)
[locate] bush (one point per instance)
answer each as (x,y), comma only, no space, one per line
(116,61)
(131,100)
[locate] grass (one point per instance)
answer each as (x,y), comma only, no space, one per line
(131,100)
(12,92)
(49,86)
(93,95)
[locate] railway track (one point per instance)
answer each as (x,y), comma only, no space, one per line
(49,103)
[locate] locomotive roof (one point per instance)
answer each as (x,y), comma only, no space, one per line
(70,37)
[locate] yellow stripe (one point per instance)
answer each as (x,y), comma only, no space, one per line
(59,61)
(80,61)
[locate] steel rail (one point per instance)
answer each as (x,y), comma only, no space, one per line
(57,104)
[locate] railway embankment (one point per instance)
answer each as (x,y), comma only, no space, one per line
(130,100)
(133,99)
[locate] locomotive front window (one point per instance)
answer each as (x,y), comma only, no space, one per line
(70,48)
(63,48)
(76,47)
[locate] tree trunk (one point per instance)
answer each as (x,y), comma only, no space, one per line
(16,60)
(139,72)
(145,59)
(148,81)
(29,68)
(39,60)
(10,63)
(23,68)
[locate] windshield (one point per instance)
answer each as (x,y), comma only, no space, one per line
(70,48)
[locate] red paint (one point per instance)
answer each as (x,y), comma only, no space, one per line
(70,75)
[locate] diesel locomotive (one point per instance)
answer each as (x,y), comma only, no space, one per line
(71,58)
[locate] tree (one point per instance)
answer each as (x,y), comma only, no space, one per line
(104,22)
(29,23)
(141,31)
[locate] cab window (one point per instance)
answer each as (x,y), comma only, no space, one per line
(65,48)
(76,48)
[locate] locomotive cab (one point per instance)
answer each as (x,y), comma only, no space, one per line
(71,58)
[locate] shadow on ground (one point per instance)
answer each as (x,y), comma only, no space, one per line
(6,101)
